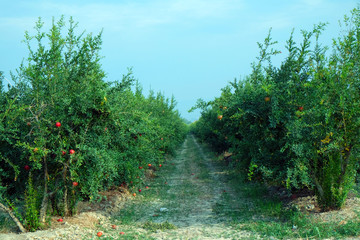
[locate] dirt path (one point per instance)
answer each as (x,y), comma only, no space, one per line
(190,199)
(192,196)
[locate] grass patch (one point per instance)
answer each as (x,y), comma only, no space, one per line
(153,227)
(267,216)
(127,215)
(285,224)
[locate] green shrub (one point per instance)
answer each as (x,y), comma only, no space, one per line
(294,125)
(107,130)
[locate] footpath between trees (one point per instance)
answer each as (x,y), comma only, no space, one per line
(192,196)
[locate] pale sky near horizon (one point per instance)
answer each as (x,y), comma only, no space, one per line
(186,48)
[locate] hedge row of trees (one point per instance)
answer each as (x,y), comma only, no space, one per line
(297,124)
(66,134)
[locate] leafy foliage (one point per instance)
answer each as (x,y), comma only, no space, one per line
(297,124)
(70,134)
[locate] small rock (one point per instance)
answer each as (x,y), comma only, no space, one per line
(310,207)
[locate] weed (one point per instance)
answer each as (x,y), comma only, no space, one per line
(153,227)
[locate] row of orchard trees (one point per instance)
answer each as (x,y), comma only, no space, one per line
(296,125)
(66,134)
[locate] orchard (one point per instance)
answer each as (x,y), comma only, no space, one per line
(67,133)
(295,125)
(54,150)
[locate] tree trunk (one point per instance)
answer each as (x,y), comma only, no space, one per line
(45,199)
(66,207)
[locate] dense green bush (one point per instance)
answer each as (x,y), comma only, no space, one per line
(66,134)
(295,125)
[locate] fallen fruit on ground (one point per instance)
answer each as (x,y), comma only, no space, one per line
(99,234)
(58,124)
(27,167)
(122,233)
(75,184)
(72,151)
(134,194)
(113,226)
(60,220)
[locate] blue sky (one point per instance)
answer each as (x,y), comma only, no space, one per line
(186,48)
